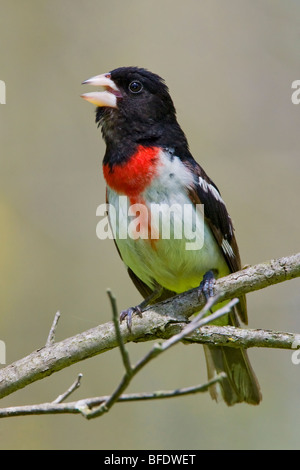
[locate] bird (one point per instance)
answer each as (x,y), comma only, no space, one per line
(147,164)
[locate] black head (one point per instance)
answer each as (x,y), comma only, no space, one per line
(144,95)
(135,108)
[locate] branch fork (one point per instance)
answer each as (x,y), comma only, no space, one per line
(166,321)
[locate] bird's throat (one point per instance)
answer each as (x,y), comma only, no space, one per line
(132,176)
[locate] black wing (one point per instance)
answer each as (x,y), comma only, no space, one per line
(216,215)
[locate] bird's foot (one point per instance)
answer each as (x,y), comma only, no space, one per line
(207,285)
(128,313)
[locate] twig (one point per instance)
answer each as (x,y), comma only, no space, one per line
(129,371)
(94,407)
(122,348)
(51,337)
(154,352)
(86,403)
(198,322)
(160,321)
(70,390)
(244,338)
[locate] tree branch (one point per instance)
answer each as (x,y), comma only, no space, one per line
(76,407)
(155,351)
(70,390)
(244,338)
(160,321)
(52,332)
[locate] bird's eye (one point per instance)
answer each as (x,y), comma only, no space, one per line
(135,87)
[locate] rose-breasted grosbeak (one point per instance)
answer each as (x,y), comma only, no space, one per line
(147,159)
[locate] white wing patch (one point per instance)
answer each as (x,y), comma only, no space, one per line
(207,187)
(226,247)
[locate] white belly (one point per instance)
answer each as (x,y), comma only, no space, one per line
(181,250)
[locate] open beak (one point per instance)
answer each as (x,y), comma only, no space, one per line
(102,98)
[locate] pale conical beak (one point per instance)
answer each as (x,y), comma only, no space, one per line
(102,98)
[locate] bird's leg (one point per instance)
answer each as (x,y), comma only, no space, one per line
(138,309)
(207,285)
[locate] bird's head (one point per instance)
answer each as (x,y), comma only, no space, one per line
(135,103)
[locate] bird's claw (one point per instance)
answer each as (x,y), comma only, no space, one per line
(128,315)
(207,285)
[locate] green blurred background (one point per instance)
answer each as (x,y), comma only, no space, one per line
(229,66)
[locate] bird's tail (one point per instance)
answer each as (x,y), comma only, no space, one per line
(240,383)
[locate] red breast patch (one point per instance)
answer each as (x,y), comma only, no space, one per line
(133,177)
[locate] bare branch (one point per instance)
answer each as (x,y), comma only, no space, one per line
(123,350)
(156,350)
(52,332)
(76,407)
(160,321)
(70,390)
(89,409)
(244,338)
